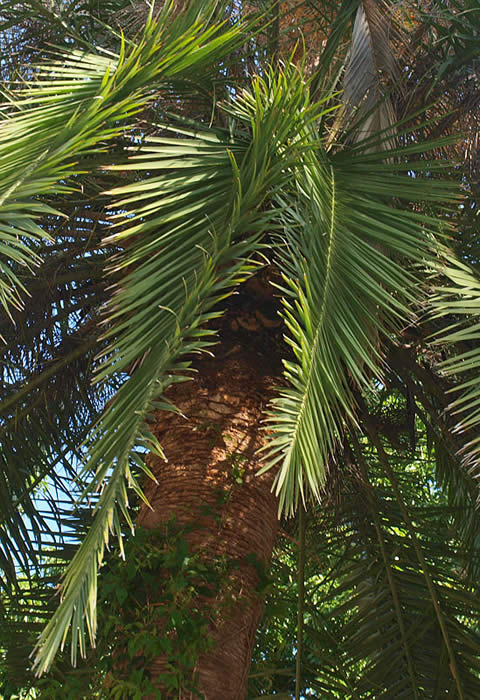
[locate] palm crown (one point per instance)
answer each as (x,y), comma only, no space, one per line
(133,223)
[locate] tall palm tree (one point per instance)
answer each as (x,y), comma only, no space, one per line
(275,245)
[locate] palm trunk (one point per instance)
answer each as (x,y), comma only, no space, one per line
(209,485)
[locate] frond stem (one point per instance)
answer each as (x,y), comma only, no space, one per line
(393,589)
(301,600)
(322,313)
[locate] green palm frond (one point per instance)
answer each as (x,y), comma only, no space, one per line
(332,60)
(350,262)
(371,627)
(47,401)
(194,223)
(458,302)
(26,609)
(54,131)
(57,132)
(429,395)
(85,100)
(385,636)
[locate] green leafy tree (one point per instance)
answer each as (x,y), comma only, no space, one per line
(171,202)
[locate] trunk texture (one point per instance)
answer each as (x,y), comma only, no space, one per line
(209,485)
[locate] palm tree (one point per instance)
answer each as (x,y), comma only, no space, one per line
(275,246)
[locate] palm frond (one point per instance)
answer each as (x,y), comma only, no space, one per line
(415,372)
(332,60)
(348,259)
(188,237)
(84,100)
(47,401)
(26,609)
(459,303)
(371,627)
(370,74)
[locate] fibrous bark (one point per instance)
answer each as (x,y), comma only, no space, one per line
(210,484)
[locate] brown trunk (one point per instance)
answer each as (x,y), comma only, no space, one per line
(212,452)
